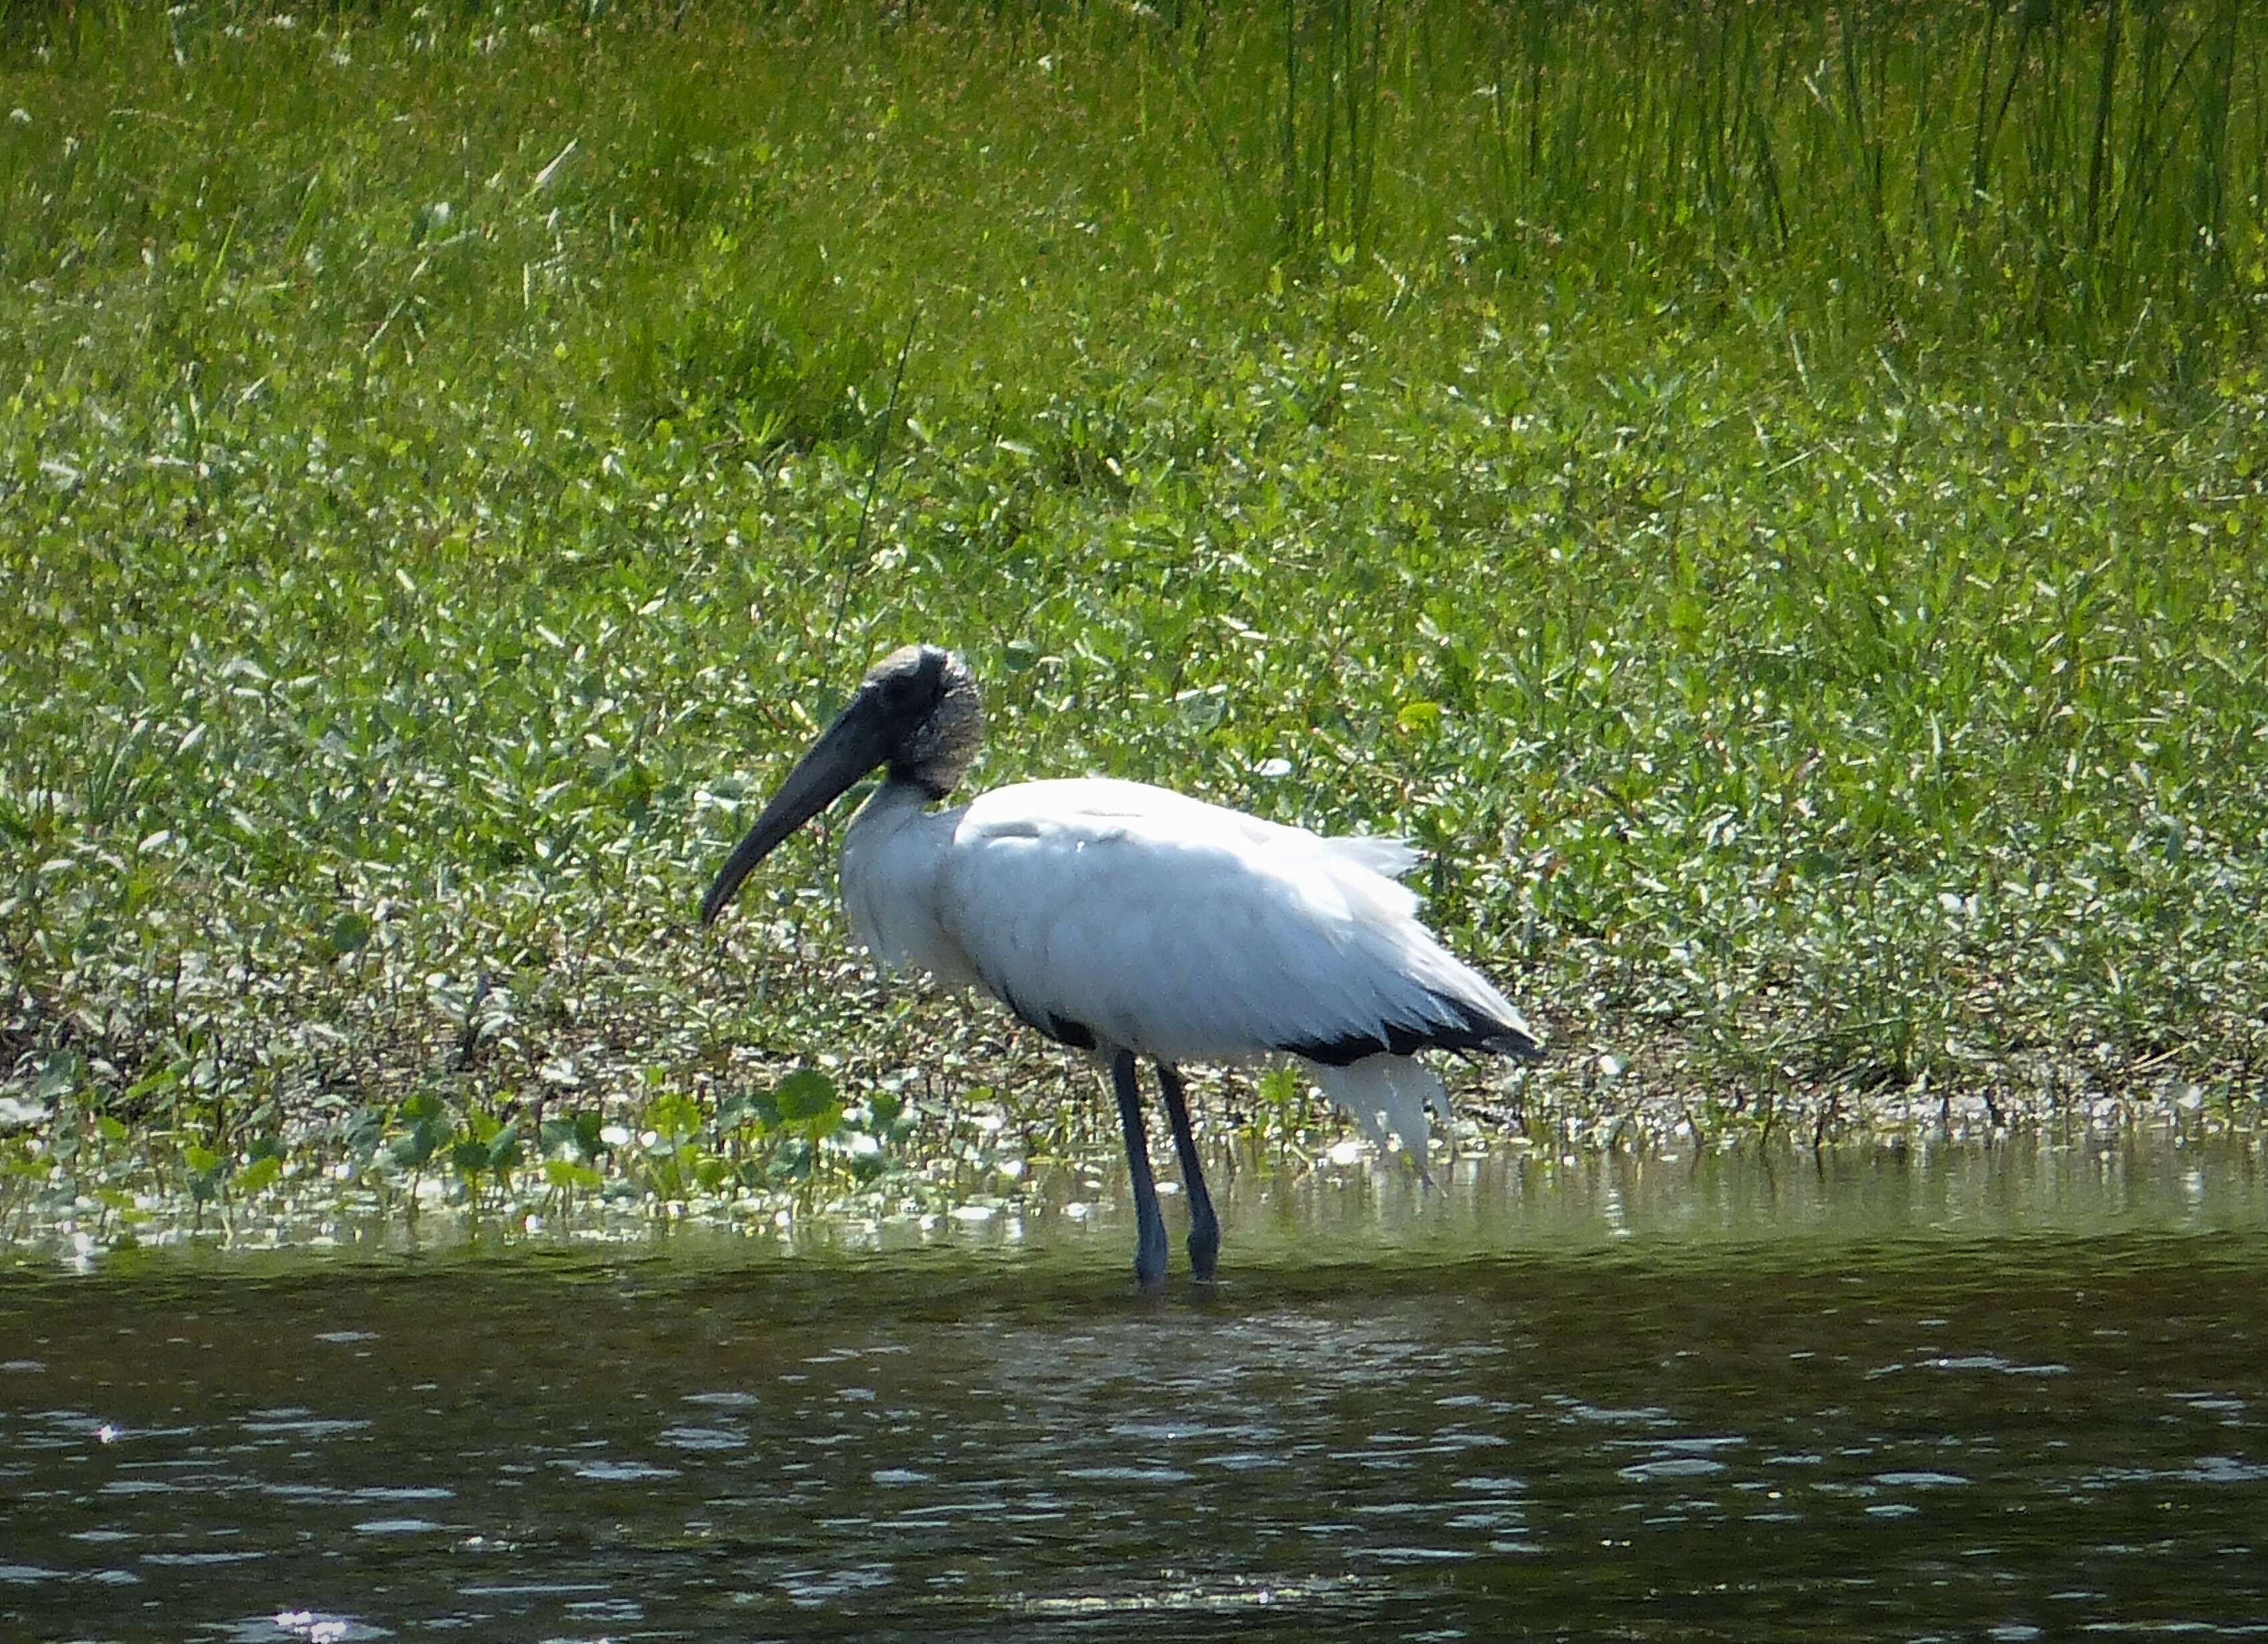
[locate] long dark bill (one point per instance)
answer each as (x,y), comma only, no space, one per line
(851,746)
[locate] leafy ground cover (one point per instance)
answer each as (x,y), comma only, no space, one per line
(1768,499)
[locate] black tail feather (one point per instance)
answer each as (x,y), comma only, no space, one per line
(1462,1028)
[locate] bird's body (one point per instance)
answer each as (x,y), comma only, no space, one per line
(1114,915)
(1133,922)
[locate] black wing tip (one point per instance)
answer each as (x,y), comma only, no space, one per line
(1520,1046)
(1061,1029)
(1469,1032)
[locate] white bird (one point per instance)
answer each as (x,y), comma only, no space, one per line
(1133,922)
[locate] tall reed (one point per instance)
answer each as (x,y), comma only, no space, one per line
(2043,172)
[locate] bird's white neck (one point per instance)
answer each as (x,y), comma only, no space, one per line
(887,809)
(891,853)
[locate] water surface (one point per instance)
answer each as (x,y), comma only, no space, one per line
(1860,1397)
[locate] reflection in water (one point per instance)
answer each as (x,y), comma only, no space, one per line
(1738,1421)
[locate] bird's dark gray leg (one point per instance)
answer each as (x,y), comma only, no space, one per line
(1204,1227)
(1150,1241)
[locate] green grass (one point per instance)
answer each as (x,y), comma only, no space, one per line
(1769,498)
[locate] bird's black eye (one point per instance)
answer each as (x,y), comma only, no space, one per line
(918,688)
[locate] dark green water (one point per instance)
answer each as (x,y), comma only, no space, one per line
(1974,1397)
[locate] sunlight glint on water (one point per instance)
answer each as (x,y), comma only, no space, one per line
(1887,1398)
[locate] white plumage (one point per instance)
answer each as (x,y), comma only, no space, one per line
(1176,930)
(1132,921)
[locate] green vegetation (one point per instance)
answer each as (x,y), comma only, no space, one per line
(1769,498)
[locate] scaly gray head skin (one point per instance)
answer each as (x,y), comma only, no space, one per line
(917,711)
(933,694)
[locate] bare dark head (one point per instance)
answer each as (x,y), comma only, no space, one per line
(917,712)
(926,699)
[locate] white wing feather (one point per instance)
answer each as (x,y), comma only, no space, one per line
(1177,929)
(1187,932)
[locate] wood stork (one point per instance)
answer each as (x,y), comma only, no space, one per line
(1133,922)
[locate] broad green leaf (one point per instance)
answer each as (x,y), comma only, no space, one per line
(260,1174)
(805,1094)
(350,933)
(672,1115)
(757,1107)
(504,1150)
(1280,1086)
